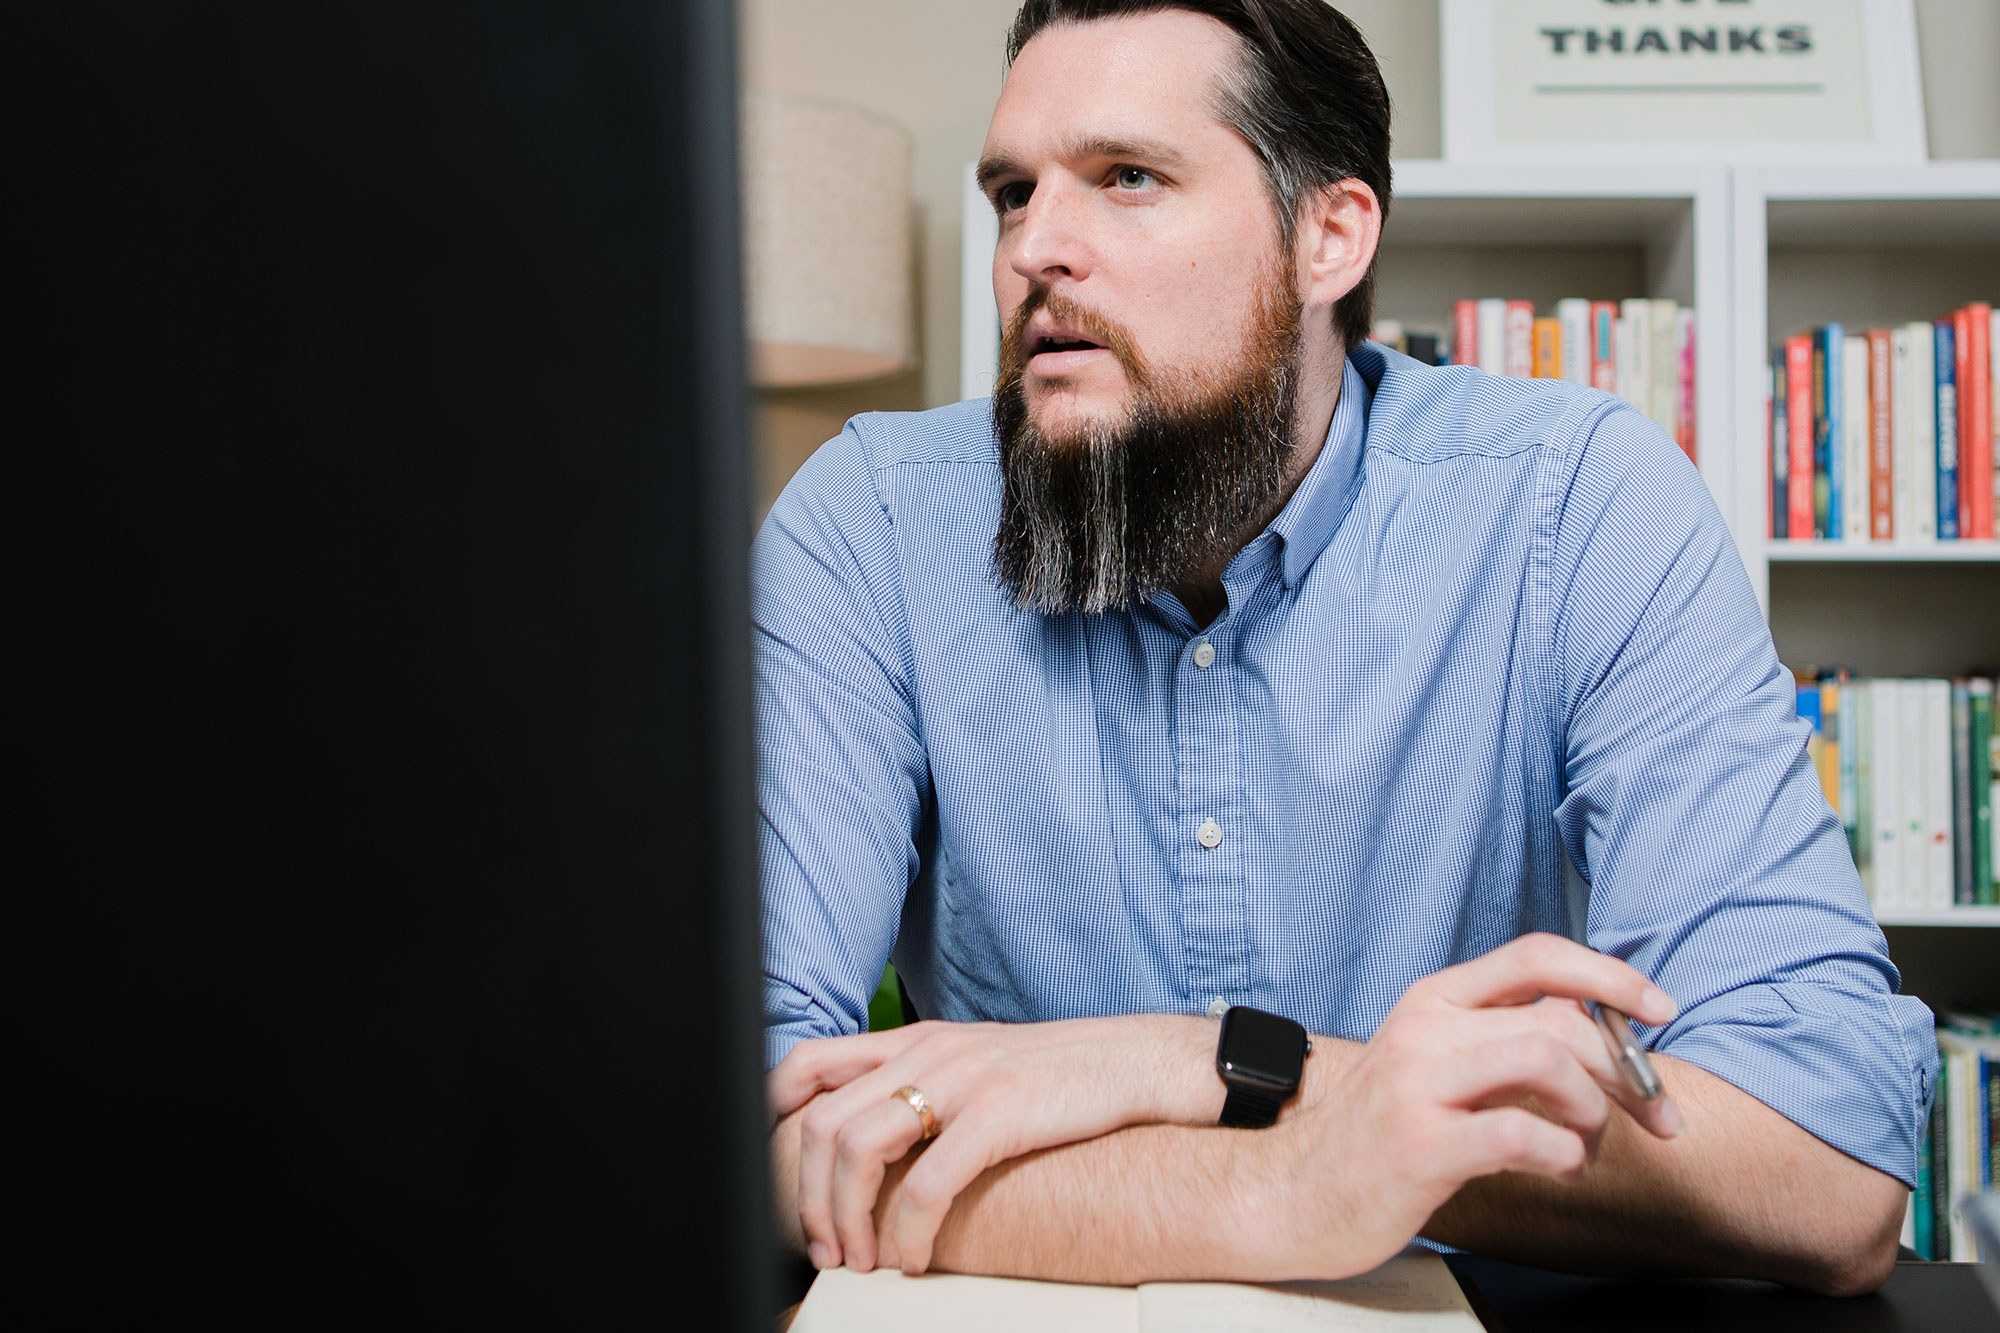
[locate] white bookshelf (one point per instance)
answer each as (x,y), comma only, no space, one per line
(1870,247)
(1867,247)
(1604,231)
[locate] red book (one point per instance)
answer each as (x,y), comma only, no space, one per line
(1975,451)
(1465,333)
(1961,335)
(1799,434)
(1604,346)
(1881,443)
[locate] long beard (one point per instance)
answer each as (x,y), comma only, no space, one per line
(1105,517)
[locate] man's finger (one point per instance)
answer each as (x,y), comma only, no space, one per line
(862,1153)
(1533,966)
(1566,1019)
(947,1167)
(1509,1138)
(819,1133)
(1530,1063)
(819,1065)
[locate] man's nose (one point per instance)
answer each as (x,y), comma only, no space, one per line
(1050,239)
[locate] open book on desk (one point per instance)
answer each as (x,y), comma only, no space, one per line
(1412,1293)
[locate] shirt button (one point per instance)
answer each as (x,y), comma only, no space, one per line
(1204,653)
(1217,1007)
(1209,834)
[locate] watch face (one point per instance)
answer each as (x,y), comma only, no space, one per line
(1261,1049)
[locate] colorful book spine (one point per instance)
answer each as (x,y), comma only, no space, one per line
(1923,431)
(1824,521)
(1829,446)
(1846,719)
(1635,352)
(1976,453)
(1520,335)
(1465,333)
(1886,696)
(1546,339)
(1604,346)
(1985,760)
(1860,699)
(1663,402)
(1780,468)
(1829,743)
(1940,860)
(1686,395)
(1915,797)
(1854,429)
(1946,425)
(1903,425)
(1799,436)
(1492,337)
(1573,317)
(1964,891)
(1881,436)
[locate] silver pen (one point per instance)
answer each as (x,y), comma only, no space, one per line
(1626,1051)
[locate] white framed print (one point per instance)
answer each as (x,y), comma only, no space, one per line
(1721,81)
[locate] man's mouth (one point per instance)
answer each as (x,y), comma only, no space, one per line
(1051,355)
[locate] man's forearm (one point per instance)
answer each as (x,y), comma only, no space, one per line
(1141,1204)
(1145,1203)
(1744,1192)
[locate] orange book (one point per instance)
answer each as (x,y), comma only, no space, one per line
(1881,442)
(1799,434)
(1548,349)
(1975,449)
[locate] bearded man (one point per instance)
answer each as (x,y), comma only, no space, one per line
(1229,663)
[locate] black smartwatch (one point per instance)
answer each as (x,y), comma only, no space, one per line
(1261,1058)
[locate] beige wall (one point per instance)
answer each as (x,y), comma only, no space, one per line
(935,66)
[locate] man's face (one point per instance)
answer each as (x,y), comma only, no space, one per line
(1133,216)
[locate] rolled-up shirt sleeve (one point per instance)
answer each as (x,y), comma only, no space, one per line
(1693,812)
(841,773)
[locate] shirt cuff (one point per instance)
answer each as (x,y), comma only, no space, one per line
(1853,1070)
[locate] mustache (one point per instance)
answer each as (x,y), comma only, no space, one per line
(1102,330)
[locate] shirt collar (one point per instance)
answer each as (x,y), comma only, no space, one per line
(1310,518)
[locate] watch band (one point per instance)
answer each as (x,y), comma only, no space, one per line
(1250,1108)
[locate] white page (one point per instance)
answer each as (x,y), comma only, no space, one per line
(844,1301)
(1412,1293)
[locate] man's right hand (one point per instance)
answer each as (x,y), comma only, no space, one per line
(997,1091)
(1435,1100)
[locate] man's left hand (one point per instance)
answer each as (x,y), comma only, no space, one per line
(997,1090)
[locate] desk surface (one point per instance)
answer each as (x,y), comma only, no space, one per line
(1917,1298)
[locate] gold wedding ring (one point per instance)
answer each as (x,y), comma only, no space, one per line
(921,1107)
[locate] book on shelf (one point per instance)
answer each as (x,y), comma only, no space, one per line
(1642,349)
(1956,1150)
(1909,768)
(1887,434)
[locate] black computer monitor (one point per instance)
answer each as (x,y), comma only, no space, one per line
(385,943)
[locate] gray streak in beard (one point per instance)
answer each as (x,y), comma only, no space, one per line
(1115,514)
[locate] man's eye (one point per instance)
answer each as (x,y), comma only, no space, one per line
(1134,178)
(1012,196)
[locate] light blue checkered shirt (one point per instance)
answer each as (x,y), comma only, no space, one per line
(1495,668)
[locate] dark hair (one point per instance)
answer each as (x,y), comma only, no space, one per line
(1307,97)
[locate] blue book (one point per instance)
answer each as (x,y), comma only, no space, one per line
(1829,445)
(1947,429)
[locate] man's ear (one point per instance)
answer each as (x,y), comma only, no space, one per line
(1339,229)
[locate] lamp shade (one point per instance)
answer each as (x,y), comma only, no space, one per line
(826,201)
